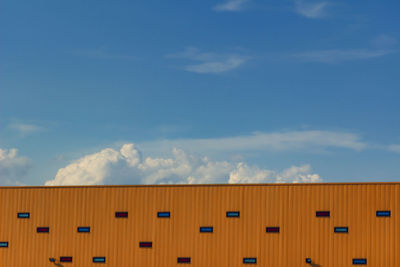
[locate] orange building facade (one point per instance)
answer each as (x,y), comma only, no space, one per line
(329,225)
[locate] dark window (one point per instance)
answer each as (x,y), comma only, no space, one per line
(65,259)
(341,229)
(249,260)
(206,229)
(308,260)
(99,259)
(183,260)
(83,229)
(163,214)
(272,229)
(145,244)
(383,213)
(121,214)
(43,229)
(359,261)
(23,215)
(323,213)
(233,214)
(3,244)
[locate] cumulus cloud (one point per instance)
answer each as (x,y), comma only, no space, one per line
(231,5)
(311,9)
(206,62)
(12,166)
(127,166)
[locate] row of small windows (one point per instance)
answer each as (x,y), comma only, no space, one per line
(187,260)
(203,229)
(167,214)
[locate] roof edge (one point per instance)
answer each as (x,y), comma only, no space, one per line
(195,185)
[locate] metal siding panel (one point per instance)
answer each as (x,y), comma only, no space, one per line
(291,207)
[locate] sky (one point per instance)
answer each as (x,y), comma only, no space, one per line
(223,91)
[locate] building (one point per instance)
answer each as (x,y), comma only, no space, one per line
(331,225)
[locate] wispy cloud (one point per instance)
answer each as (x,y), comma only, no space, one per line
(311,9)
(264,141)
(394,148)
(207,62)
(338,55)
(25,129)
(231,5)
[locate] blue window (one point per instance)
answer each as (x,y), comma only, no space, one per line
(383,213)
(341,229)
(3,244)
(359,261)
(163,214)
(23,215)
(206,229)
(308,260)
(233,214)
(99,259)
(249,260)
(183,260)
(83,229)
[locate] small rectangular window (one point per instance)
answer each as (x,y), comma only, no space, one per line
(308,260)
(145,244)
(206,229)
(233,214)
(383,213)
(99,259)
(323,213)
(66,259)
(359,261)
(249,260)
(272,229)
(121,214)
(3,244)
(341,229)
(183,260)
(83,229)
(23,215)
(43,230)
(163,214)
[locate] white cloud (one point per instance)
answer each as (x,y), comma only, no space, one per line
(274,141)
(209,62)
(312,10)
(25,129)
(252,174)
(12,167)
(337,55)
(110,166)
(394,148)
(231,5)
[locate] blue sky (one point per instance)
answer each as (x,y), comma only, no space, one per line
(109,92)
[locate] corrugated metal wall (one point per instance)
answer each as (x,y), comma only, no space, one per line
(291,207)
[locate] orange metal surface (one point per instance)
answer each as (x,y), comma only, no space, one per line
(291,207)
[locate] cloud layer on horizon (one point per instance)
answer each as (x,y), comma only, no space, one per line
(128,166)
